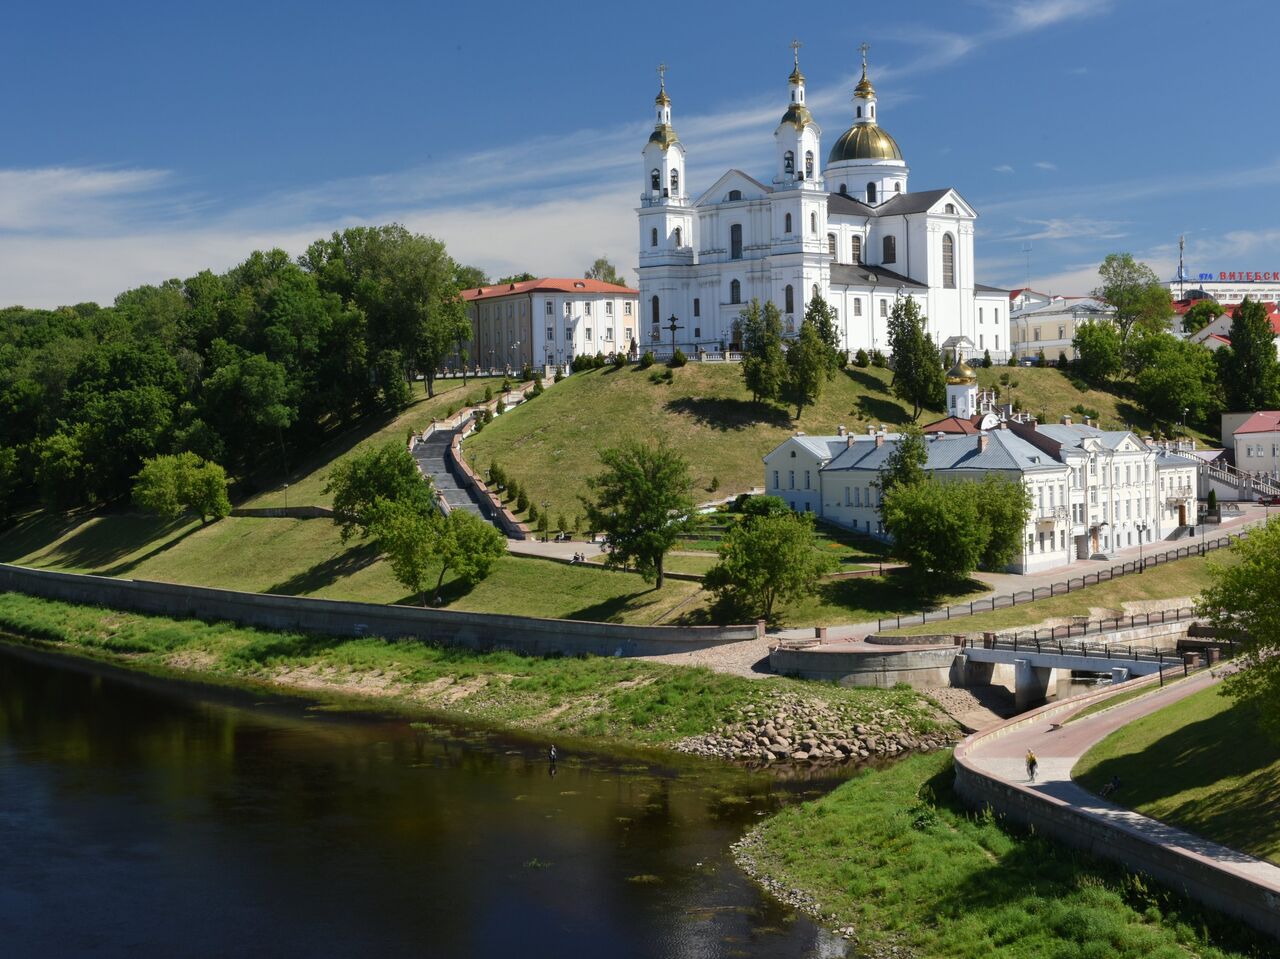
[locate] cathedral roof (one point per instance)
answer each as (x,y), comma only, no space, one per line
(550,284)
(864,141)
(961,375)
(855,274)
(896,205)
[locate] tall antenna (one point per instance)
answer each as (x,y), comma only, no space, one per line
(1182,270)
(1026,252)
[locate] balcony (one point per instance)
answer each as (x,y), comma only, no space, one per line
(1049,514)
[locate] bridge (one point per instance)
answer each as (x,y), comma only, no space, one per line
(1033,662)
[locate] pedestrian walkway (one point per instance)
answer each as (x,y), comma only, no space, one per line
(999,755)
(431,457)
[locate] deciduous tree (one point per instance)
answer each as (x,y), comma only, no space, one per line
(1200,315)
(765,560)
(1135,293)
(358,482)
(1099,351)
(917,368)
(936,528)
(173,485)
(603,271)
(1251,372)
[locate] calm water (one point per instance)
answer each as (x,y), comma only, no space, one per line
(143,819)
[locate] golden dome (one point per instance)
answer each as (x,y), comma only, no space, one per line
(662,99)
(798,115)
(864,89)
(664,134)
(961,375)
(864,141)
(796,75)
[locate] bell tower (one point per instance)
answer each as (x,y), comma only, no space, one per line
(798,136)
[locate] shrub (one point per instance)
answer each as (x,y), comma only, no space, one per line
(715,484)
(619,360)
(559,375)
(861,360)
(496,475)
(661,376)
(678,359)
(488,393)
(599,362)
(533,512)
(986,359)
(1212,501)
(561,524)
(526,373)
(1063,362)
(878,360)
(506,384)
(512,488)
(647,360)
(1040,361)
(538,388)
(1013,360)
(522,502)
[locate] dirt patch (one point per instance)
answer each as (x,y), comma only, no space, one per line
(196,659)
(368,683)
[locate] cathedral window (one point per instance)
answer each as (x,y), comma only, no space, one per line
(790,299)
(871,193)
(586,308)
(949,208)
(788,163)
(735,242)
(859,113)
(890,250)
(948,261)
(655,179)
(657,318)
(813,223)
(831,243)
(857,307)
(675,182)
(857,249)
(808,165)
(897,186)
(551,332)
(734,195)
(735,291)
(697,306)
(844,189)
(814,291)
(653,237)
(608,307)
(884,307)
(786,224)
(679,236)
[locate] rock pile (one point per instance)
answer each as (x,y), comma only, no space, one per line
(790,729)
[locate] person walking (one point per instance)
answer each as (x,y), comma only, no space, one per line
(1032,763)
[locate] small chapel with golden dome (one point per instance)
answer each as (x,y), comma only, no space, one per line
(844,226)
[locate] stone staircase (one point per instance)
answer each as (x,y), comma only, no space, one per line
(430,455)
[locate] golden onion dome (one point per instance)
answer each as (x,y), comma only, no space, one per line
(798,115)
(662,99)
(796,75)
(664,134)
(864,89)
(864,141)
(961,375)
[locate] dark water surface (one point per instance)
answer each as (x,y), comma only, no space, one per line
(147,819)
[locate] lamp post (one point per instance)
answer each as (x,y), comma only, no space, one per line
(546,505)
(286,497)
(515,348)
(1142,528)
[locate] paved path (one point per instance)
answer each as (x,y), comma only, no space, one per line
(1059,749)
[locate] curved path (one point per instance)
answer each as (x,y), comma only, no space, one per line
(990,768)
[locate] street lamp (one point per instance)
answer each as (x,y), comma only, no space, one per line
(1142,528)
(546,505)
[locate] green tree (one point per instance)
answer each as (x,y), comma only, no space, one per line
(60,470)
(764,366)
(917,369)
(1178,382)
(1004,504)
(823,317)
(1200,315)
(173,485)
(936,529)
(386,473)
(10,481)
(765,560)
(603,271)
(808,366)
(524,277)
(1251,372)
(408,535)
(755,506)
(1244,597)
(1135,293)
(904,466)
(469,277)
(468,546)
(641,501)
(1099,351)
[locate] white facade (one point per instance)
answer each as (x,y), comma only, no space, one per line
(549,322)
(846,228)
(1049,324)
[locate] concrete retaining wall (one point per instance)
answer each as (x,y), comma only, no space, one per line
(290,512)
(480,631)
(1198,880)
(917,668)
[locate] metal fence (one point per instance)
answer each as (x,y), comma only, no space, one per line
(1019,597)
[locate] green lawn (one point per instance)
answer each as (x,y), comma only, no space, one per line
(1201,764)
(627,700)
(895,855)
(306,481)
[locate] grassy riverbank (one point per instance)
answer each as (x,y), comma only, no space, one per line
(895,856)
(641,703)
(1200,763)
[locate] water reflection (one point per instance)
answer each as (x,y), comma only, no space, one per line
(143,819)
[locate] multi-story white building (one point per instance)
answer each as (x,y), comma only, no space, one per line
(1092,491)
(549,321)
(848,230)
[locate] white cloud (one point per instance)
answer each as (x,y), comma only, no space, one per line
(1045,165)
(1062,228)
(1003,168)
(59,197)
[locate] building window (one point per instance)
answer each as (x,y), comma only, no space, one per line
(979,314)
(587,332)
(655,179)
(884,307)
(890,250)
(948,261)
(1062,331)
(653,237)
(856,249)
(679,238)
(608,333)
(735,291)
(568,332)
(697,306)
(790,299)
(608,307)
(775,479)
(626,308)
(1036,333)
(697,332)
(949,208)
(857,306)
(734,195)
(808,165)
(653,305)
(786,223)
(586,308)
(630,336)
(550,310)
(551,332)
(735,242)
(568,309)
(791,481)
(871,193)
(788,163)
(831,244)
(675,182)
(806,479)
(813,223)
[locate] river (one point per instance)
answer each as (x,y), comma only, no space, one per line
(145,818)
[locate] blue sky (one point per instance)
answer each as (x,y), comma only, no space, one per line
(148,140)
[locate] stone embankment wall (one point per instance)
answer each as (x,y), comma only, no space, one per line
(1196,878)
(285,512)
(479,631)
(918,668)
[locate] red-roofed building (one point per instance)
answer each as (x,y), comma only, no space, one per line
(549,321)
(1217,334)
(1255,439)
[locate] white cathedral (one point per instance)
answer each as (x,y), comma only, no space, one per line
(848,230)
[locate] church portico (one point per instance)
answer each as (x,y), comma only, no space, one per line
(841,225)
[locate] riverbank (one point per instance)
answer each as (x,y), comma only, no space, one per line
(612,700)
(896,863)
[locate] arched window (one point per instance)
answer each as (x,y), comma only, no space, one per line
(675,182)
(653,237)
(808,165)
(949,208)
(657,315)
(735,242)
(831,243)
(844,190)
(948,261)
(813,223)
(790,299)
(655,179)
(786,223)
(735,291)
(871,193)
(890,250)
(857,249)
(897,186)
(679,238)
(859,113)
(788,163)
(814,293)
(734,195)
